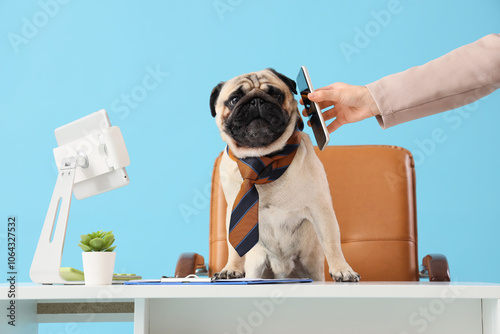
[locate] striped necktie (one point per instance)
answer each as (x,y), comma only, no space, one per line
(244,222)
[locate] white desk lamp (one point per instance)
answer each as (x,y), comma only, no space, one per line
(91,159)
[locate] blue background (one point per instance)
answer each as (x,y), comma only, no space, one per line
(91,55)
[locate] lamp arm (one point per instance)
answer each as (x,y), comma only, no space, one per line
(45,268)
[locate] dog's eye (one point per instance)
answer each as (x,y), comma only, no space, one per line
(234,100)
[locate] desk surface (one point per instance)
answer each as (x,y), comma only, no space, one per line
(31,291)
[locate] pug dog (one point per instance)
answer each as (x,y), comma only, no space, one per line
(256,114)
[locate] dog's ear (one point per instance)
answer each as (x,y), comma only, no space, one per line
(214,96)
(289,82)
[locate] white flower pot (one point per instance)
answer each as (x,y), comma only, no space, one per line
(98,267)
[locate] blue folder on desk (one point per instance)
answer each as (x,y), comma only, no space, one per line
(209,281)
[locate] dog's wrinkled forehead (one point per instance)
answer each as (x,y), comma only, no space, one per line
(252,80)
(248,82)
(268,81)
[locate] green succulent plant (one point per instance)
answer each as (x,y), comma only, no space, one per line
(97,242)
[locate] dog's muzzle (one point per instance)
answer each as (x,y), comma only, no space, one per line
(257,120)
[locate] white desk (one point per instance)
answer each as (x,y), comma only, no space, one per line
(400,308)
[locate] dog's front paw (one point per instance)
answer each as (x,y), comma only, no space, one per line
(228,273)
(345,275)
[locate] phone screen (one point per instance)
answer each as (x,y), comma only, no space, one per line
(314,112)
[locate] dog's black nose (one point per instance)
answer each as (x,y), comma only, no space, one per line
(257,102)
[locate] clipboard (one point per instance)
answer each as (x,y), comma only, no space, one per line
(195,280)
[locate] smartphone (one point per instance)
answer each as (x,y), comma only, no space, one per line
(313,111)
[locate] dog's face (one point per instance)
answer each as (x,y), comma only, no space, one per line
(256,112)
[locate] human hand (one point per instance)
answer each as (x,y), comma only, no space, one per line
(351,104)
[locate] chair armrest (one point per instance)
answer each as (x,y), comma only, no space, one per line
(435,266)
(189,263)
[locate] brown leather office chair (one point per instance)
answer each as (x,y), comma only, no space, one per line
(373,193)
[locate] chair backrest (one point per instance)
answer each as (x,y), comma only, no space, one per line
(373,193)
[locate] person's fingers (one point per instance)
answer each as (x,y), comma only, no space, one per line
(322,105)
(325,104)
(333,86)
(334,125)
(331,113)
(324,88)
(332,95)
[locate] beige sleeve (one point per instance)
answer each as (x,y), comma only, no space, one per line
(458,78)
